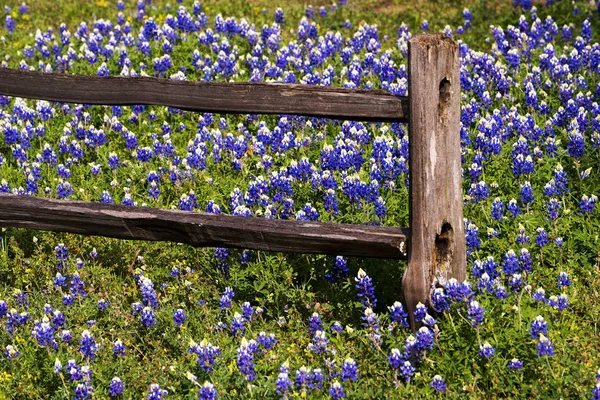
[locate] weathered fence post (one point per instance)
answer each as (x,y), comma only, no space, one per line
(437,240)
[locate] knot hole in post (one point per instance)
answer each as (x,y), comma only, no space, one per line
(445,88)
(443,251)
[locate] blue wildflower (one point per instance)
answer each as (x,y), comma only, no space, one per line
(208,391)
(88,347)
(544,346)
(336,391)
(156,393)
(116,387)
(486,350)
(515,364)
(438,384)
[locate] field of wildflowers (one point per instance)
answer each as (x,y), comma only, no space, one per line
(89,317)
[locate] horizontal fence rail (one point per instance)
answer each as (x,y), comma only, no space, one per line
(218,97)
(202,229)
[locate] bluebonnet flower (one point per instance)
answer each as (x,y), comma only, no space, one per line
(88,347)
(179,317)
(148,317)
(21,299)
(9,24)
(526,193)
(372,325)
(15,319)
(267,341)
(349,370)
(476,313)
(525,261)
(398,314)
(510,263)
(340,270)
(596,391)
(57,366)
(75,371)
(43,332)
(485,283)
(336,391)
(515,364)
(576,144)
(279,16)
(439,300)
(146,288)
(563,280)
(542,237)
(472,237)
(552,209)
(156,393)
(116,387)
(118,348)
(319,343)
(283,383)
(58,318)
(522,237)
(316,379)
(94,253)
(245,358)
(208,391)
(420,312)
(11,352)
(62,252)
(479,191)
(302,379)
(544,347)
(314,323)
(366,291)
(438,384)
(500,292)
(395,359)
(206,353)
(538,326)
(587,204)
(103,304)
(247,311)
(425,339)
(486,350)
(407,370)
(77,285)
(560,302)
(539,295)
(83,390)
(336,327)
(237,325)
(516,282)
(106,197)
(66,336)
(497,209)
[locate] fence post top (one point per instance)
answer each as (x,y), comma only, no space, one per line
(433,39)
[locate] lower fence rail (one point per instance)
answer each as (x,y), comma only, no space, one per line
(202,229)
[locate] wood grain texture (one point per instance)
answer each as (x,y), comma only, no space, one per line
(202,229)
(219,97)
(437,242)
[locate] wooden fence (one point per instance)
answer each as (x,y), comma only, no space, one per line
(435,242)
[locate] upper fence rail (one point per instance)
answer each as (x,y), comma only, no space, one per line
(218,97)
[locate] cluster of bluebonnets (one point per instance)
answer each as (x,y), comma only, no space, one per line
(530,102)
